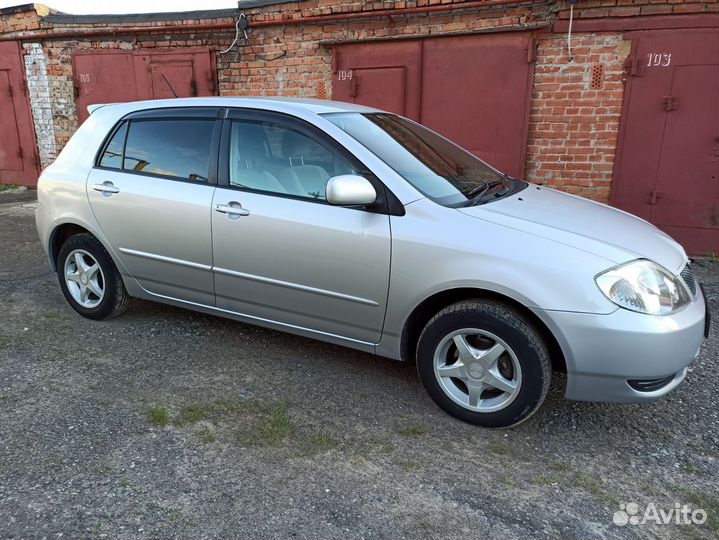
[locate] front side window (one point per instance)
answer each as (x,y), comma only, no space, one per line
(275,158)
(173,148)
(438,168)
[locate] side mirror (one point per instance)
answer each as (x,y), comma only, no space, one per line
(350,190)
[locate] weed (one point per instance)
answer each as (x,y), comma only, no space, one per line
(318,442)
(412,430)
(158,416)
(709,503)
(274,427)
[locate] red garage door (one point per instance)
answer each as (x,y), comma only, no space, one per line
(474,90)
(118,76)
(18,163)
(667,168)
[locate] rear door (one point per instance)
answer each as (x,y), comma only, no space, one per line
(151,192)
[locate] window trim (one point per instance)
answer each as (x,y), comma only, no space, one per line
(387,202)
(174,113)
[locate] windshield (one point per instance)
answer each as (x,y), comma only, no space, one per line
(439,169)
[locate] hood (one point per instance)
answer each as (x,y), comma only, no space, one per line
(587,225)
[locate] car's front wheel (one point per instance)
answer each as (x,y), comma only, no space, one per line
(484,362)
(89,278)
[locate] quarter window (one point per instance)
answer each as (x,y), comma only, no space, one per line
(173,148)
(112,156)
(266,156)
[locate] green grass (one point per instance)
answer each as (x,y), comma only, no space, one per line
(412,430)
(247,422)
(318,442)
(206,435)
(500,448)
(593,486)
(559,467)
(544,480)
(709,502)
(158,416)
(7,187)
(409,465)
(193,414)
(274,426)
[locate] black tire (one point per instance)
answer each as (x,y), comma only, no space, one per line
(506,323)
(115,299)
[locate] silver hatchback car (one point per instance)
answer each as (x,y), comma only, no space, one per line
(363,228)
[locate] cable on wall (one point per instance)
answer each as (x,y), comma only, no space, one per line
(569,31)
(241,26)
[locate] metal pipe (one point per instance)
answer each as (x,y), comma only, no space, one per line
(230,26)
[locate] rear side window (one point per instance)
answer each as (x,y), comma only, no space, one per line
(112,156)
(169,148)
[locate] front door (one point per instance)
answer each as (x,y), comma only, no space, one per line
(667,169)
(152,201)
(281,253)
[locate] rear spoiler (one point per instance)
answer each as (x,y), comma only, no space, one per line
(92,108)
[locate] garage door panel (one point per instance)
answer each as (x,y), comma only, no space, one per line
(121,76)
(474,91)
(382,75)
(667,167)
(10,151)
(471,89)
(103,77)
(18,149)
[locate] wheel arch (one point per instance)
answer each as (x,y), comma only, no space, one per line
(62,232)
(431,305)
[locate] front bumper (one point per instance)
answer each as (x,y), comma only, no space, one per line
(609,356)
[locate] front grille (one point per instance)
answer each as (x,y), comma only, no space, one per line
(649,385)
(688,277)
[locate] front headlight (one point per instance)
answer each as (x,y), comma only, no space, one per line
(643,286)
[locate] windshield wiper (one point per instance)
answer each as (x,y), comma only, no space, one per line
(477,193)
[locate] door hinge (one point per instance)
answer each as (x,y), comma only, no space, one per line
(20,152)
(335,59)
(634,67)
(354,85)
(654,196)
(670,103)
(531,51)
(76,90)
(193,88)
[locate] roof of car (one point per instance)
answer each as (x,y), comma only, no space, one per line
(285,104)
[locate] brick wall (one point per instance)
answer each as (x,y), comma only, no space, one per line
(573,126)
(573,123)
(41,102)
(21,19)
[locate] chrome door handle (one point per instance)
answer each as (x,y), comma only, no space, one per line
(232,210)
(107,188)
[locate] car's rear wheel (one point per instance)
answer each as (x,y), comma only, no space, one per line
(89,278)
(484,363)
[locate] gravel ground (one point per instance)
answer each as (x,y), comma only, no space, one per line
(165,423)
